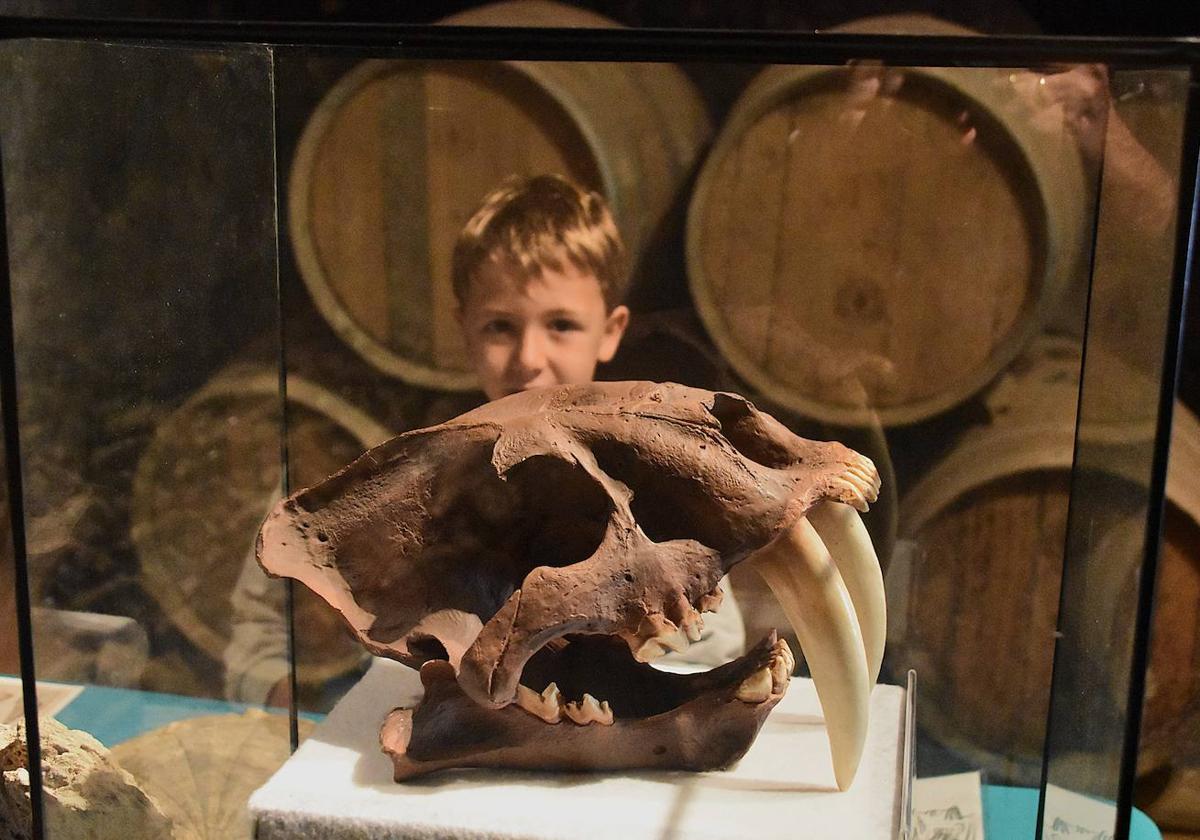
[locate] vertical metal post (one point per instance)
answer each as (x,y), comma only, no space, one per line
(12,446)
(1184,268)
(281,361)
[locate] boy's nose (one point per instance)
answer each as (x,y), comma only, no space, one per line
(531,355)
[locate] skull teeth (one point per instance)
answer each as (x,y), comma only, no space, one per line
(772,679)
(781,666)
(756,687)
(845,536)
(711,601)
(676,640)
(550,707)
(547,706)
(589,710)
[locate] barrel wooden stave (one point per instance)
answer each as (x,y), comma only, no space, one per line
(853,257)
(986,532)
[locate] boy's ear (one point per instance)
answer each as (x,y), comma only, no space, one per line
(614,330)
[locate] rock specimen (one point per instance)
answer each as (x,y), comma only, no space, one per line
(86,795)
(533,556)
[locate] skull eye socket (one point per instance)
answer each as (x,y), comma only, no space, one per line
(565,514)
(667,504)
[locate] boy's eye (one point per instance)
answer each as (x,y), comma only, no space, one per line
(564,325)
(498,327)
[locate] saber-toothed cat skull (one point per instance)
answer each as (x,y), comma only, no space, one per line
(532,556)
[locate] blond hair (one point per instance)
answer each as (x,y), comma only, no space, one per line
(536,223)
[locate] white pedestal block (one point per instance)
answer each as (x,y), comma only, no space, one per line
(339,784)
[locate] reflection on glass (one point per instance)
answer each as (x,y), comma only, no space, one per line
(14,758)
(139,184)
(1127,327)
(897,258)
(893,257)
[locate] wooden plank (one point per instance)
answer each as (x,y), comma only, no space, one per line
(345,184)
(410,297)
(751,227)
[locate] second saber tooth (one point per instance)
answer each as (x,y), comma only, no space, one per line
(802,575)
(842,531)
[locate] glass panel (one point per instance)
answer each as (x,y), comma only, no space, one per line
(1127,328)
(896,258)
(14,758)
(139,181)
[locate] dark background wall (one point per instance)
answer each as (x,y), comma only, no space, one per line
(1063,17)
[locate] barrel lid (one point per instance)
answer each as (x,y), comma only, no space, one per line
(840,328)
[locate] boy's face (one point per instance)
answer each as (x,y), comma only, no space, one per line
(547,330)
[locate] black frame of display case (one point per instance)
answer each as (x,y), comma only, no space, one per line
(629,45)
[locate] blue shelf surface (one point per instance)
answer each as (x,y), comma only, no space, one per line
(113,715)
(1010,813)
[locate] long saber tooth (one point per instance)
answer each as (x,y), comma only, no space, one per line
(844,534)
(798,568)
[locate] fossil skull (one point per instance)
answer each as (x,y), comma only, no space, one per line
(533,556)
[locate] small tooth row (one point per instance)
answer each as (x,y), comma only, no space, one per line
(782,664)
(859,482)
(756,687)
(549,706)
(672,640)
(589,710)
(771,679)
(711,601)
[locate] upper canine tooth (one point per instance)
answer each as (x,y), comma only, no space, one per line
(693,625)
(849,544)
(801,573)
(756,687)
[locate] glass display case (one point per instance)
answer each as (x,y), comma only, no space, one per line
(229,270)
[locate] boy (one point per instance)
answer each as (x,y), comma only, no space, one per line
(538,274)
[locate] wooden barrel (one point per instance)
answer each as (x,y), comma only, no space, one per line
(974,592)
(1171,707)
(204,484)
(399,154)
(853,258)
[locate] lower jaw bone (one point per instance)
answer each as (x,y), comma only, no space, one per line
(802,575)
